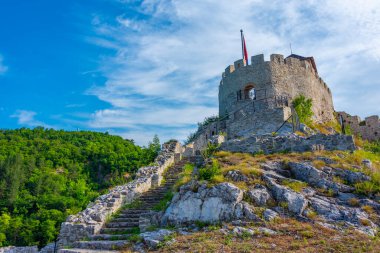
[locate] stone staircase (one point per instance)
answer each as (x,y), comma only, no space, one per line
(115,234)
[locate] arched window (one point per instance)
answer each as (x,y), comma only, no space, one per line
(249,92)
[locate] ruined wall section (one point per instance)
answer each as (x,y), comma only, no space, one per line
(292,77)
(368,129)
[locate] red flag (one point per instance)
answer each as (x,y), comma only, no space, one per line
(244,48)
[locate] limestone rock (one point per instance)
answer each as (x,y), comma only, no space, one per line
(307,173)
(270,215)
(351,177)
(259,195)
(154,238)
(317,178)
(218,203)
(241,231)
(266,231)
(296,202)
(367,163)
(236,176)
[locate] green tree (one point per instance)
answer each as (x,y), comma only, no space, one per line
(46,175)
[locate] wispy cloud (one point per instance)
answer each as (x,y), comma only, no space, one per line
(169,56)
(3,68)
(27,118)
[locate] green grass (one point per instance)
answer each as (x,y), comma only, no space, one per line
(185,176)
(134,204)
(135,238)
(210,171)
(294,185)
(163,204)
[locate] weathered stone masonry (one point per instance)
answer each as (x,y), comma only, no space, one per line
(368,129)
(256,98)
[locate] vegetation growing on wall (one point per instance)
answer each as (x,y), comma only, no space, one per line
(46,175)
(303,105)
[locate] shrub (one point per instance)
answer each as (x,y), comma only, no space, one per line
(368,209)
(303,106)
(210,150)
(373,147)
(365,222)
(209,172)
(311,215)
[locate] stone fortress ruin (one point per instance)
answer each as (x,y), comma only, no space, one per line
(256,100)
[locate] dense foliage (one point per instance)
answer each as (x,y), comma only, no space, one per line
(46,175)
(303,106)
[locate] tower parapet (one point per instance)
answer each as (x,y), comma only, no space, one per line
(278,77)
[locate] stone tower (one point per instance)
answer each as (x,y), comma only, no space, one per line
(256,99)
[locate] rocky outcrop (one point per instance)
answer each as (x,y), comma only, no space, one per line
(90,221)
(222,202)
(291,143)
(259,195)
(295,202)
(236,176)
(332,210)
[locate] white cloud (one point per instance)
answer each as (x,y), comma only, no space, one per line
(167,66)
(3,68)
(27,118)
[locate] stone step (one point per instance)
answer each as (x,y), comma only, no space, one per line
(86,251)
(134,219)
(101,245)
(108,237)
(141,209)
(121,224)
(120,231)
(129,216)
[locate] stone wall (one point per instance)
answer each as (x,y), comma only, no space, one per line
(292,77)
(257,122)
(90,221)
(291,143)
(369,129)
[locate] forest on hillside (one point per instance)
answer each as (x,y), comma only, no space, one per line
(46,175)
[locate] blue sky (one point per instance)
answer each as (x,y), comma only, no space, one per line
(136,68)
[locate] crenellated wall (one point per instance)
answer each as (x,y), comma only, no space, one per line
(277,78)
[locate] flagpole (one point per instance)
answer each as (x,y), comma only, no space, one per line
(242,47)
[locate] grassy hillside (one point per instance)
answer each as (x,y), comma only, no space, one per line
(46,175)
(291,233)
